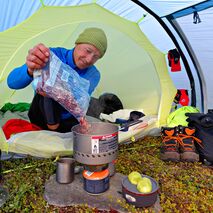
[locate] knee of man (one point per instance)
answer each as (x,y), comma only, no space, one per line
(53,127)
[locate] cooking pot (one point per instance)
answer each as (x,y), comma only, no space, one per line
(65,170)
(98,145)
(138,199)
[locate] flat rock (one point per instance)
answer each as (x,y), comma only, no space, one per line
(64,195)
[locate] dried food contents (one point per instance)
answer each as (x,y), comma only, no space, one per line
(63,84)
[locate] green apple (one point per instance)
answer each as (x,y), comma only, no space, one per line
(144,185)
(134,177)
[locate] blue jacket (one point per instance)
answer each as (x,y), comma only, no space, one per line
(19,78)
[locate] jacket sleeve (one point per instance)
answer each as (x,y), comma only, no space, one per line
(19,78)
(93,76)
(94,83)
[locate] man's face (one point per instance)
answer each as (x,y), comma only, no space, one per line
(85,55)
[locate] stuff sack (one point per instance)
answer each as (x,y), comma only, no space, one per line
(107,103)
(63,84)
(178,117)
(204,131)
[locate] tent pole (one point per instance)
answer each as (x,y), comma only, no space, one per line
(189,72)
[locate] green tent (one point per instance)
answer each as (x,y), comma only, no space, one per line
(132,68)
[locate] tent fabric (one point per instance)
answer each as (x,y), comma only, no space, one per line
(200,39)
(134,66)
(165,7)
(22,9)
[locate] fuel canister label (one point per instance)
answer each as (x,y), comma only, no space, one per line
(104,143)
(95,145)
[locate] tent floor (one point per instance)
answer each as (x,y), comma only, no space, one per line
(63,195)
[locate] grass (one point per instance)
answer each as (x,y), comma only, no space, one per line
(184,187)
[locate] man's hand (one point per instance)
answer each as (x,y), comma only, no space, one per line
(37,58)
(85,125)
(42,93)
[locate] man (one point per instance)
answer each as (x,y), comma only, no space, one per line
(90,46)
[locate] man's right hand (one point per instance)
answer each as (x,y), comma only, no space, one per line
(37,58)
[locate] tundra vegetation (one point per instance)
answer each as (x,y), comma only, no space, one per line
(184,187)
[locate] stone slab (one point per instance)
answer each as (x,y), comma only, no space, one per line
(64,195)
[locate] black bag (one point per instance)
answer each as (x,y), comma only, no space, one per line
(107,103)
(203,124)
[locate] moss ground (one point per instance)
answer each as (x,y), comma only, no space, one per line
(184,187)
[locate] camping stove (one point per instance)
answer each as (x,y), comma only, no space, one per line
(96,149)
(99,145)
